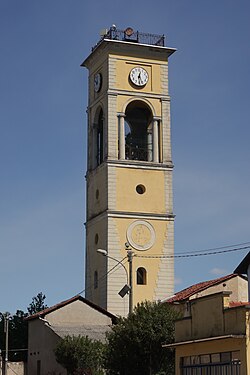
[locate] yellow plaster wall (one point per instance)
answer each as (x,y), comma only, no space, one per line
(207,319)
(235,320)
(96,261)
(153,200)
(183,329)
(124,100)
(210,317)
(210,347)
(144,292)
(99,65)
(125,65)
(97,180)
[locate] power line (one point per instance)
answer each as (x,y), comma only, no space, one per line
(103,276)
(187,254)
(214,248)
(198,254)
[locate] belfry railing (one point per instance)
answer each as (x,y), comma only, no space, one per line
(129,35)
(136,153)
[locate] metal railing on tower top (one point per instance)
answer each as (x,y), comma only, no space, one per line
(129,35)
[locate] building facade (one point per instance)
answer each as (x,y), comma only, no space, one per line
(237,285)
(213,338)
(129,176)
(75,316)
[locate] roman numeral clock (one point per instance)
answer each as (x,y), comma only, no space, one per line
(129,173)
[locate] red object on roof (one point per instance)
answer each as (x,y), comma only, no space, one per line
(196,288)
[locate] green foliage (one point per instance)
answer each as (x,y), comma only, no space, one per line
(18,336)
(135,343)
(18,330)
(80,355)
(37,304)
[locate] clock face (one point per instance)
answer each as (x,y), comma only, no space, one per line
(141,235)
(97,82)
(139,76)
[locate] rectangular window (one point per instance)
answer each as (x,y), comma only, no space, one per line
(236,356)
(38,367)
(224,363)
(215,358)
(225,357)
(195,360)
(205,358)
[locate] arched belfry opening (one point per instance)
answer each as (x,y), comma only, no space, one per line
(98,141)
(138,133)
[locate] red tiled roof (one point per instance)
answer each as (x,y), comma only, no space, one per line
(48,310)
(196,288)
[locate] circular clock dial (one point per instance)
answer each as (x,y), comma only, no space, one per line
(141,235)
(139,76)
(98,82)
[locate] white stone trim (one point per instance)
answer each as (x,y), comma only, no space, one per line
(165,278)
(117,278)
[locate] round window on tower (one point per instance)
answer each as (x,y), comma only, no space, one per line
(140,189)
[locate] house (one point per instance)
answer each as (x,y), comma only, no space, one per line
(236,284)
(214,337)
(75,316)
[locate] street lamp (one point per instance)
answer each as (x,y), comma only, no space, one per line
(128,288)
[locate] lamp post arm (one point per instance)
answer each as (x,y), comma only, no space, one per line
(120,262)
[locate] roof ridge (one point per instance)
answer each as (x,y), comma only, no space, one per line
(66,302)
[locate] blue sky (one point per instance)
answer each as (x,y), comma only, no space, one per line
(43,96)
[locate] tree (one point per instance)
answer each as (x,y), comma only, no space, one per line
(18,336)
(18,329)
(135,343)
(37,304)
(80,355)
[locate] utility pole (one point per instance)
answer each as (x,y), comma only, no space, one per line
(130,255)
(1,362)
(6,330)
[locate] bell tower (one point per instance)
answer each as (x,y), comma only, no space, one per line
(129,176)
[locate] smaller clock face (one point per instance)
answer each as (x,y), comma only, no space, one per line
(139,76)
(97,82)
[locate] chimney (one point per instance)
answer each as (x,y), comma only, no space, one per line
(244,269)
